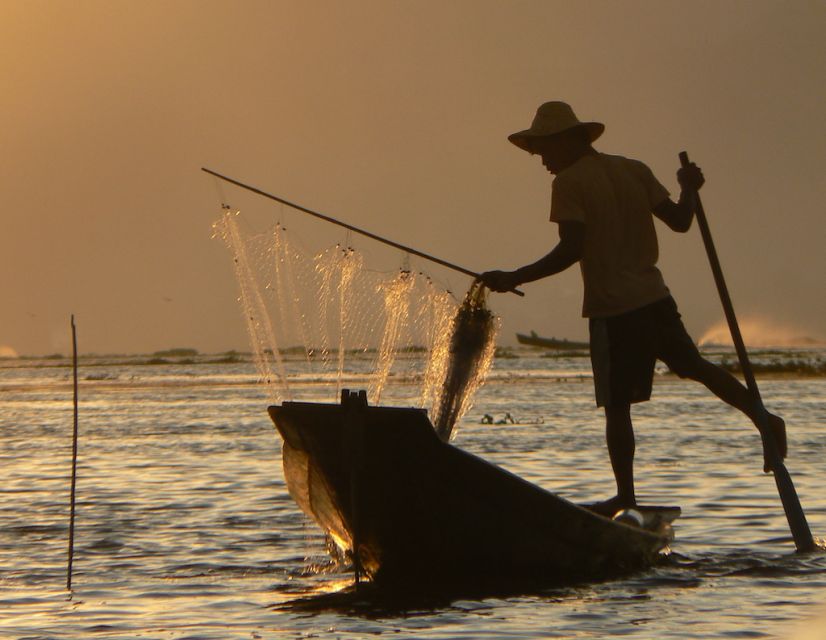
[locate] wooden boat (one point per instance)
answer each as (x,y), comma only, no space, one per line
(534,340)
(421,513)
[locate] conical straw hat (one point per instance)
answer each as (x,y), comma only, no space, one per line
(552,118)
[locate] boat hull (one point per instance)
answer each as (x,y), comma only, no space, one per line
(534,340)
(420,511)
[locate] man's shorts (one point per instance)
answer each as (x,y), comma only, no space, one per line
(624,349)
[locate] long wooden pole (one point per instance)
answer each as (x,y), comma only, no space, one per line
(803,539)
(350,227)
(74,463)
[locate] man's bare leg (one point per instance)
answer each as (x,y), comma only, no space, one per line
(619,434)
(729,389)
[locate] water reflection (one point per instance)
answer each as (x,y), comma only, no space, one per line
(185,527)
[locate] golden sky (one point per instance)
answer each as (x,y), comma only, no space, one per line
(394,116)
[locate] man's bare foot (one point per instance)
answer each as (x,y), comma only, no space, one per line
(778,429)
(609,507)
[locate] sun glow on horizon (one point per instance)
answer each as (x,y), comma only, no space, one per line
(8,352)
(761,332)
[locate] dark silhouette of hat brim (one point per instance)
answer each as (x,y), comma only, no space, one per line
(523,139)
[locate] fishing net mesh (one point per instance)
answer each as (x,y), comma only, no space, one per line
(325,318)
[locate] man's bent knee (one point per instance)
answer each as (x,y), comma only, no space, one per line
(691,367)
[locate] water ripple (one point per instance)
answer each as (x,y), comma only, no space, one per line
(185,528)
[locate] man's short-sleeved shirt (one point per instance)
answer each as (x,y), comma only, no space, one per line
(614,197)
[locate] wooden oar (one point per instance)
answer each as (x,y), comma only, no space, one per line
(788,496)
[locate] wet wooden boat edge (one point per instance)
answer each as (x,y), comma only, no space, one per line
(474,503)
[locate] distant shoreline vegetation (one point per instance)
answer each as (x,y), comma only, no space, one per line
(768,362)
(178,352)
(795,366)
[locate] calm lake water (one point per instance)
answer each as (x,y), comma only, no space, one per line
(185,528)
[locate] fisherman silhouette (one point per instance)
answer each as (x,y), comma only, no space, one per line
(604,206)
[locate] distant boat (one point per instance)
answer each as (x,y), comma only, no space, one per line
(534,340)
(422,514)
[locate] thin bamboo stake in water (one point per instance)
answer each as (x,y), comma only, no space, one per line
(798,525)
(74,463)
(350,227)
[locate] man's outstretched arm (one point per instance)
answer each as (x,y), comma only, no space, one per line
(679,215)
(562,256)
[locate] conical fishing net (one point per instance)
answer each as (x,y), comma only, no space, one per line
(322,317)
(472,344)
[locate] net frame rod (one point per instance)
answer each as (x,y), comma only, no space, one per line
(350,227)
